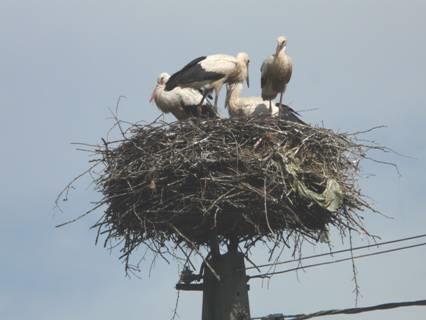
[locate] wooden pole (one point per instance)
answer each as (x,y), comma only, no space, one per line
(226,299)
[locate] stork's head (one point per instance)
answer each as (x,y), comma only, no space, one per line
(244,59)
(281,44)
(161,82)
(163,78)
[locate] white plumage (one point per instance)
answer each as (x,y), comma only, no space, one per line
(276,72)
(256,106)
(247,106)
(211,72)
(181,102)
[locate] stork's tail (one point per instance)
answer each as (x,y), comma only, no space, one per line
(268,93)
(289,114)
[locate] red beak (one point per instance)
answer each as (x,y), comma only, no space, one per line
(153,95)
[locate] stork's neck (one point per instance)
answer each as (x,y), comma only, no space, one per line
(279,55)
(233,96)
(280,52)
(159,90)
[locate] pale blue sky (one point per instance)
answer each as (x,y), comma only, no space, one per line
(63,63)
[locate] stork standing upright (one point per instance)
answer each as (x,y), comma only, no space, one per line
(276,72)
(256,106)
(183,103)
(211,72)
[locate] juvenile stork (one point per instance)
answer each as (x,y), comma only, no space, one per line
(255,106)
(276,72)
(183,103)
(210,73)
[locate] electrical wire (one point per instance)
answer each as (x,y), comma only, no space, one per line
(269,274)
(384,306)
(379,307)
(377,244)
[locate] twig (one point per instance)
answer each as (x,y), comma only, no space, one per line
(175,314)
(354,271)
(198,252)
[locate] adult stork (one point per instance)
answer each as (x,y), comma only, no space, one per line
(211,72)
(276,72)
(256,106)
(183,103)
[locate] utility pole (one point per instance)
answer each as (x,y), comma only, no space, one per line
(225,298)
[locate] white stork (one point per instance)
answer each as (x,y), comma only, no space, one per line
(256,106)
(276,72)
(183,103)
(246,106)
(211,72)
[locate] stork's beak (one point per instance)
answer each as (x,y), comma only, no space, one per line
(154,94)
(248,80)
(277,51)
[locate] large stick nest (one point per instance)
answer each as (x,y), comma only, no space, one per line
(240,179)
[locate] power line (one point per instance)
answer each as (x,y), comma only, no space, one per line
(269,274)
(384,306)
(377,244)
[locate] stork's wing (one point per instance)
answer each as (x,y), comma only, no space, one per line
(192,63)
(264,70)
(201,70)
(183,75)
(289,70)
(219,63)
(262,77)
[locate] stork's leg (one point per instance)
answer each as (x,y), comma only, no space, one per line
(206,93)
(199,111)
(270,106)
(216,96)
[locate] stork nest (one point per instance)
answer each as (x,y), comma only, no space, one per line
(185,183)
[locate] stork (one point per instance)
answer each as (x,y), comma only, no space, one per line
(256,106)
(183,103)
(210,73)
(276,72)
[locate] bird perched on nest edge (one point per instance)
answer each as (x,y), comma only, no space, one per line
(276,72)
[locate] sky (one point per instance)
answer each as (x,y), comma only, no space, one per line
(63,65)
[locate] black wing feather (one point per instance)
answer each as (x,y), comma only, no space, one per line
(289,114)
(192,72)
(262,82)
